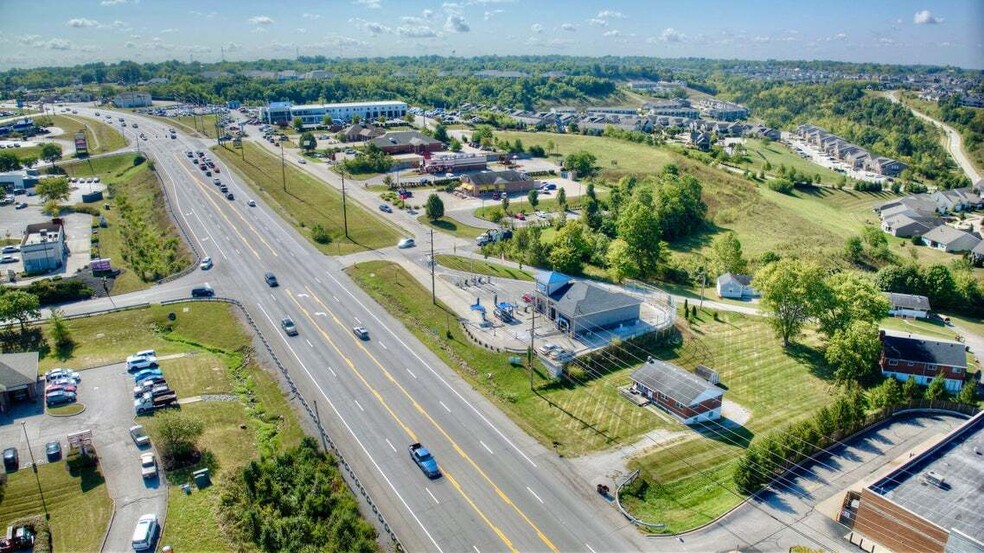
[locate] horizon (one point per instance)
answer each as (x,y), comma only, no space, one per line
(930,33)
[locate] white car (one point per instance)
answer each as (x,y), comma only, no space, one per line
(301,161)
(251,203)
(206,264)
(8,259)
(148,465)
(406,243)
(11,249)
(59,374)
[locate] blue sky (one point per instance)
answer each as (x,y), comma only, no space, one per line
(67,32)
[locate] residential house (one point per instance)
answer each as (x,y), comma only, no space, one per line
(361,133)
(406,142)
(906,226)
(761,131)
(678,391)
(597,110)
(736,287)
(907,356)
(576,306)
(950,240)
(725,111)
(919,205)
(18,378)
(908,305)
(977,254)
(886,166)
(699,139)
(497,74)
(490,182)
(956,200)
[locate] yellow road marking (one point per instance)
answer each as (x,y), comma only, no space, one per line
(494,528)
(440,429)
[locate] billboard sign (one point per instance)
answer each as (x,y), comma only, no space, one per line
(101,265)
(81,145)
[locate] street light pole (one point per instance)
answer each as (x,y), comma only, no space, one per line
(433,262)
(344,212)
(283,167)
(34,467)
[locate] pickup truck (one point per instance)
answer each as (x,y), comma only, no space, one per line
(424,460)
(149,402)
(139,435)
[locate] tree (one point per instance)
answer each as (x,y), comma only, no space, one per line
(582,163)
(441,133)
(728,255)
(454,145)
(936,389)
(534,198)
(59,330)
(853,352)
(887,394)
(298,124)
(356,119)
(789,289)
(847,297)
(911,390)
(968,394)
(641,230)
(483,135)
(56,189)
(589,191)
(562,199)
(326,121)
(20,306)
(307,141)
(550,145)
(505,203)
(570,247)
(9,162)
(854,249)
(434,208)
(50,152)
(621,261)
(177,434)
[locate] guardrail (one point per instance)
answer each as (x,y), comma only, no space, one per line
(353,480)
(618,503)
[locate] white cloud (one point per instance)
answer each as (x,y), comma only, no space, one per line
(115,2)
(301,30)
(82,22)
(413,20)
(609,14)
(568,27)
(536,28)
(370,4)
(261,20)
(670,34)
(456,24)
(233,47)
(165,31)
(613,32)
(925,17)
(491,13)
(452,8)
(372,27)
(37,41)
(428,14)
(761,39)
(595,22)
(311,16)
(416,32)
(130,45)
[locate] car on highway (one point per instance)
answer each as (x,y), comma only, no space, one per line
(205,291)
(271,280)
(10,249)
(20,205)
(251,203)
(230,196)
(11,461)
(58,397)
(406,243)
(148,465)
(190,154)
(217,170)
(8,259)
(289,327)
(385,208)
(361,332)
(301,161)
(206,264)
(139,435)
(424,460)
(53,451)
(216,181)
(208,173)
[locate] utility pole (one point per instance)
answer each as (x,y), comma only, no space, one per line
(529,354)
(344,212)
(34,467)
(283,167)
(703,283)
(433,262)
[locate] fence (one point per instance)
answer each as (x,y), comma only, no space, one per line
(352,480)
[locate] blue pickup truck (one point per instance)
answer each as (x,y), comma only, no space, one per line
(424,460)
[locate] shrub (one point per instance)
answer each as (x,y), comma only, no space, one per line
(576,373)
(782,185)
(50,292)
(320,234)
(137,160)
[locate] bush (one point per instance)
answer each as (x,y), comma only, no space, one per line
(137,160)
(537,151)
(85,208)
(50,292)
(782,185)
(863,186)
(320,234)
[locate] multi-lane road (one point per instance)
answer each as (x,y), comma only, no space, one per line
(500,489)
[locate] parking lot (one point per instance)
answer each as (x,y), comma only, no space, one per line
(107,395)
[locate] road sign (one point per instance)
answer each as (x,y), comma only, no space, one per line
(81,145)
(79,439)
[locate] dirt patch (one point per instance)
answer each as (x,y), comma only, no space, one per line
(613,463)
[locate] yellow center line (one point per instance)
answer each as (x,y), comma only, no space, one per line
(219,210)
(447,436)
(494,528)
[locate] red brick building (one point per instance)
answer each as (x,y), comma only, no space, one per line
(907,355)
(678,391)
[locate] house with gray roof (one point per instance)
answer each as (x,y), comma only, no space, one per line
(905,226)
(678,391)
(406,142)
(735,287)
(906,356)
(977,254)
(957,199)
(950,240)
(908,305)
(18,378)
(576,306)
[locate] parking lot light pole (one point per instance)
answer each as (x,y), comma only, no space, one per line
(34,467)
(344,212)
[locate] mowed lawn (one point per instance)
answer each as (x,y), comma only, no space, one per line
(79,506)
(482,267)
(593,416)
(195,126)
(777,154)
(308,202)
(452,226)
(100,137)
(628,157)
(777,387)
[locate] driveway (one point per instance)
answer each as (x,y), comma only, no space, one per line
(106,393)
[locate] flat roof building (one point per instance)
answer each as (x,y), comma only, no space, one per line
(43,247)
(132,99)
(934,502)
(313,115)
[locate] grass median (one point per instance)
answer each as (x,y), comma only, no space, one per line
(100,137)
(482,267)
(453,227)
(308,204)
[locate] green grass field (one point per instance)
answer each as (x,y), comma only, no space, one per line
(101,138)
(628,157)
(482,267)
(195,126)
(308,202)
(24,153)
(79,506)
(776,154)
(451,226)
(777,387)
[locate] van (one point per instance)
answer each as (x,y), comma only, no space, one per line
(202,292)
(145,532)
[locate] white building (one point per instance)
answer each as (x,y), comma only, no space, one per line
(18,180)
(313,115)
(132,99)
(43,247)
(604,110)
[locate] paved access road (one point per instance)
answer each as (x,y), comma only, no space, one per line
(500,490)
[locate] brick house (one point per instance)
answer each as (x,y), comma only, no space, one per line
(503,182)
(905,355)
(406,142)
(677,391)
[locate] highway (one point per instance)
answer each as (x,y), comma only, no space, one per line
(500,490)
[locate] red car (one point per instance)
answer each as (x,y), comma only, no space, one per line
(528,298)
(217,170)
(61,387)
(521,216)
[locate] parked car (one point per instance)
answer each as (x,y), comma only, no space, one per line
(361,332)
(59,397)
(20,205)
(148,354)
(53,451)
(289,327)
(148,465)
(140,363)
(60,387)
(145,374)
(206,264)
(11,461)
(139,435)
(385,208)
(56,374)
(271,280)
(8,259)
(521,216)
(406,243)
(10,249)
(145,533)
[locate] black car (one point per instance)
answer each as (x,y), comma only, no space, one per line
(53,451)
(11,461)
(271,280)
(202,292)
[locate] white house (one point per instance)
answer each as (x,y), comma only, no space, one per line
(736,287)
(950,240)
(908,305)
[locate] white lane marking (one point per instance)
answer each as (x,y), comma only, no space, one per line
(274,297)
(336,298)
(332,371)
(486,447)
(432,496)
(357,321)
(411,373)
(382,345)
(359,405)
(446,408)
(320,314)
(209,236)
(435,373)
(476,549)
(303,296)
(318,280)
(591,549)
(354,436)
(390,444)
(309,342)
(534,494)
